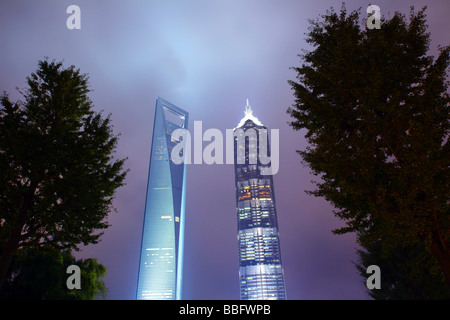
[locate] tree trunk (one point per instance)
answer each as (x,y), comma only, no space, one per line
(7,255)
(12,244)
(442,254)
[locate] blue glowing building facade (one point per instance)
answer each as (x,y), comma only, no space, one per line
(260,268)
(161,258)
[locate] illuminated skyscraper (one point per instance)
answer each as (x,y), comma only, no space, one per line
(161,259)
(260,269)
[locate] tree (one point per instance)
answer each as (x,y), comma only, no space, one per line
(57,172)
(408,273)
(375,108)
(48,282)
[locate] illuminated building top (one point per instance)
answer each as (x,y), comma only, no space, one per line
(248,115)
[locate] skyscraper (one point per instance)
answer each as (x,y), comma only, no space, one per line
(260,269)
(161,259)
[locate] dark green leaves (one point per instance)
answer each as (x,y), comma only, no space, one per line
(55,148)
(375,108)
(42,275)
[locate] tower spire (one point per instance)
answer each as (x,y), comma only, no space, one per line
(248,115)
(248,109)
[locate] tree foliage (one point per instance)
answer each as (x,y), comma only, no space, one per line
(407,273)
(375,108)
(58,175)
(41,275)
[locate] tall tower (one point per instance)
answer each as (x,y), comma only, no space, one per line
(260,269)
(161,259)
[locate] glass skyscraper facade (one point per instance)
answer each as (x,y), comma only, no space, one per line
(161,258)
(260,268)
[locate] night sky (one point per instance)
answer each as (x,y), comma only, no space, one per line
(206,57)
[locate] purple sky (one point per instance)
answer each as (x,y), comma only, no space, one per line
(206,57)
